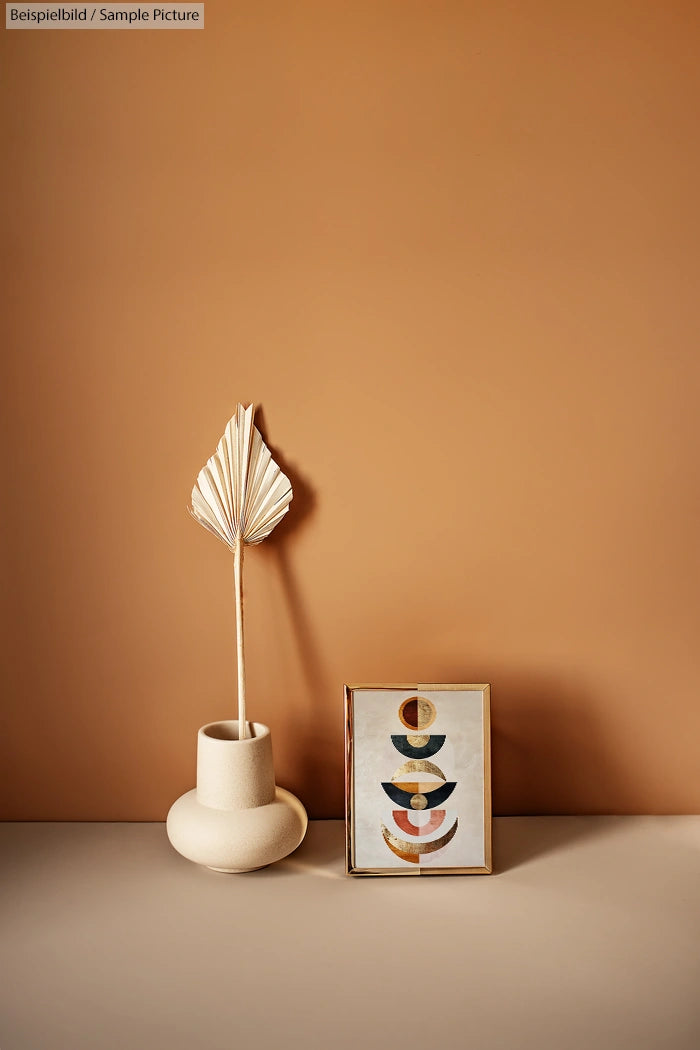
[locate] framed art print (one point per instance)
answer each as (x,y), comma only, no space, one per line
(417,779)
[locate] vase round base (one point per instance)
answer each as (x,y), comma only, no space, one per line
(235,841)
(232,871)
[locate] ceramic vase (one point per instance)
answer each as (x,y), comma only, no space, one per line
(236,819)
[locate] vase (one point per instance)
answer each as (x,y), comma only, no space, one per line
(236,819)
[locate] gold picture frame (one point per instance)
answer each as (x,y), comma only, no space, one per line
(387,724)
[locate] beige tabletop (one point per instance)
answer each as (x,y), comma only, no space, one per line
(587,936)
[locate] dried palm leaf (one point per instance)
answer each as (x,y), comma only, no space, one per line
(239,496)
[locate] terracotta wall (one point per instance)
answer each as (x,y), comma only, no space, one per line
(453,251)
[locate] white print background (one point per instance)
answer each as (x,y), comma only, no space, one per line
(461,759)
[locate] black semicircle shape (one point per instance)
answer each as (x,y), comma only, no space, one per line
(403,798)
(431,748)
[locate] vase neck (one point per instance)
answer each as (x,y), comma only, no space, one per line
(233,773)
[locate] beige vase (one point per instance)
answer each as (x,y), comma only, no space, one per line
(236,819)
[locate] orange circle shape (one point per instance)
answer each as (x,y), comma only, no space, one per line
(417,713)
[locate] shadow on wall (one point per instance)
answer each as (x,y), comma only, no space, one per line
(547,753)
(547,748)
(317,749)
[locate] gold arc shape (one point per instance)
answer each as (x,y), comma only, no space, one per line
(413,858)
(419,765)
(418,787)
(400,846)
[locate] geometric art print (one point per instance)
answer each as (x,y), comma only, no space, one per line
(418,795)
